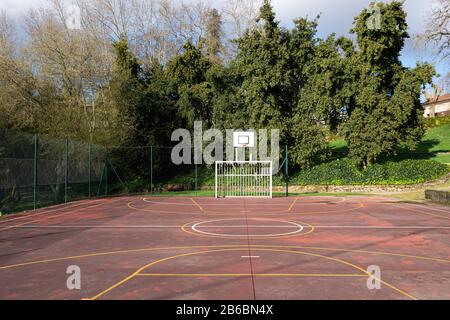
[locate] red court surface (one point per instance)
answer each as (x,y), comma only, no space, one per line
(206,248)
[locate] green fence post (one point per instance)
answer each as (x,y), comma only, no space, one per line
(89,169)
(151,169)
(286,171)
(106,173)
(66,169)
(196,179)
(35,171)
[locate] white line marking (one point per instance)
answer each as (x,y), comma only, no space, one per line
(429,208)
(225,226)
(249,256)
(383,227)
(299,228)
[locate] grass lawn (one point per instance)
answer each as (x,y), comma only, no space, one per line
(419,195)
(436,139)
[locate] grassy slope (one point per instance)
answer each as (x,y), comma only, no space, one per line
(436,139)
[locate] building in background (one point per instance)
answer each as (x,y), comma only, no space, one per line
(437,107)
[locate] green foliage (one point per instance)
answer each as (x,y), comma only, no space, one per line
(189,85)
(341,172)
(436,122)
(344,172)
(310,146)
(309,88)
(263,61)
(384,110)
(205,177)
(276,66)
(125,60)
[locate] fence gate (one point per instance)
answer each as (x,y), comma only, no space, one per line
(244,179)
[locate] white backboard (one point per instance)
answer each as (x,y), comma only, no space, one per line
(244,139)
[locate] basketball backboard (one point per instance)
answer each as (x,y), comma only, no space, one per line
(244,139)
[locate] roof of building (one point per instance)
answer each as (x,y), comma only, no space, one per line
(442,98)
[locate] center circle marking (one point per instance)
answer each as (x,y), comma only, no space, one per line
(197,226)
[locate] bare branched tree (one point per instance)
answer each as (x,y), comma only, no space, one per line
(436,38)
(239,15)
(437,32)
(58,80)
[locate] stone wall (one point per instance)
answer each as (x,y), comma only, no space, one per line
(438,196)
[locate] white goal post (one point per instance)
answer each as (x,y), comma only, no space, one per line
(243,179)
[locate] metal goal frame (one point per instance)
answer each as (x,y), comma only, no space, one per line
(238,179)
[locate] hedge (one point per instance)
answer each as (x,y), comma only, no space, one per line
(344,172)
(436,122)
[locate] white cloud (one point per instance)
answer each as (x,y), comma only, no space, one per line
(337,16)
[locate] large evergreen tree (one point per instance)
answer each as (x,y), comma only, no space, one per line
(143,100)
(264,64)
(191,90)
(307,132)
(385,109)
(275,65)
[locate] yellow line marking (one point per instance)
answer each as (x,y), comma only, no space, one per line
(199,206)
(281,201)
(421,212)
(292,204)
(137,272)
(57,215)
(221,213)
(251,274)
(98,254)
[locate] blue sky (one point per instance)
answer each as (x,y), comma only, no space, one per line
(336,16)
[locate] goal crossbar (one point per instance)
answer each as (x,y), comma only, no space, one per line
(243,179)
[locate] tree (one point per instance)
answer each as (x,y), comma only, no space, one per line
(214,35)
(437,32)
(146,113)
(313,94)
(263,61)
(437,35)
(385,110)
(277,68)
(190,86)
(240,16)
(228,109)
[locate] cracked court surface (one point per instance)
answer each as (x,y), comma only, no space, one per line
(240,248)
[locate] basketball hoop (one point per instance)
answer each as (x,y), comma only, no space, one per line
(241,177)
(243,139)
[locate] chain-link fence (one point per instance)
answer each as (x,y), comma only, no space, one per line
(37,171)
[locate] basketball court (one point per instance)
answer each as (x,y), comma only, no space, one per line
(154,247)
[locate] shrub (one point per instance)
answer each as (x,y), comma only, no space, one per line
(344,172)
(436,122)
